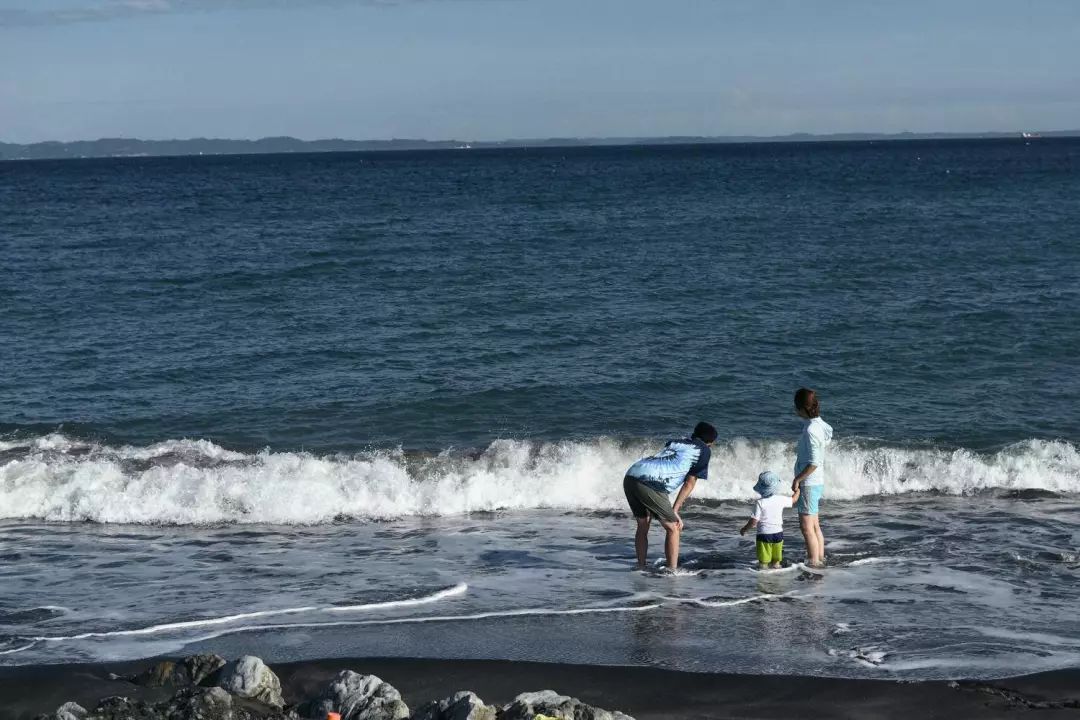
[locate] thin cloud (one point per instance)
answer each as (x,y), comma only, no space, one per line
(120,9)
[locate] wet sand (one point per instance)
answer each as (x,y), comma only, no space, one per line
(645,693)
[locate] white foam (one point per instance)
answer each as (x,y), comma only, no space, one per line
(12,651)
(202,483)
(868,656)
(459,589)
(702,602)
(774,571)
(525,612)
(875,561)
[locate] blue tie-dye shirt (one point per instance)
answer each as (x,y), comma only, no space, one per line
(667,469)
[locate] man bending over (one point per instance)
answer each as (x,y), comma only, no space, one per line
(650,481)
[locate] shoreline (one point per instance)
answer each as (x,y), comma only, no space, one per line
(644,693)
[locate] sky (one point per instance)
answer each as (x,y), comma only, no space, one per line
(499,69)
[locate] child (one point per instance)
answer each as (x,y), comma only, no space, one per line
(768,518)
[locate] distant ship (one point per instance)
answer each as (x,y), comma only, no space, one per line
(1028,135)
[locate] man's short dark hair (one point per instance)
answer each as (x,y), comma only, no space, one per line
(705,432)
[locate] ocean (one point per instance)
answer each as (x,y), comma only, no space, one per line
(381,404)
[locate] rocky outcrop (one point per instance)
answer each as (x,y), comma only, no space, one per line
(549,703)
(208,688)
(192,703)
(460,706)
(357,697)
(250,678)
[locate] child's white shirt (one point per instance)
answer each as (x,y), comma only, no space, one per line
(769,513)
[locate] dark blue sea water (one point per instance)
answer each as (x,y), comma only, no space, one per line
(336,302)
(385,401)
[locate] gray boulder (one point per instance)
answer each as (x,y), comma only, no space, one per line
(121,708)
(460,706)
(357,697)
(210,704)
(548,702)
(67,711)
(249,678)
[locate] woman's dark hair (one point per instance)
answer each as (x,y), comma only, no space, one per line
(806,400)
(705,432)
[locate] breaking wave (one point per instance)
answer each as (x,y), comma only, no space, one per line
(59,478)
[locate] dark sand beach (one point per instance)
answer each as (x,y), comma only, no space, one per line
(644,693)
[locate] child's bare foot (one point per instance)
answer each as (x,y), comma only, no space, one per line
(775,566)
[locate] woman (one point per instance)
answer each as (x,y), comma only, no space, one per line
(810,472)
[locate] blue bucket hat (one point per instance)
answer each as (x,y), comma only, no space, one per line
(767,484)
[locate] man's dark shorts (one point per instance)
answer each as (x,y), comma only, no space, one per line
(645,500)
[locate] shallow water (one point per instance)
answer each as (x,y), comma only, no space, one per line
(918,586)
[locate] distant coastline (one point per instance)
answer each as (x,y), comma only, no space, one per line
(125,147)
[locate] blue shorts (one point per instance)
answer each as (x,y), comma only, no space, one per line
(809,499)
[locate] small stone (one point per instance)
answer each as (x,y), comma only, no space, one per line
(250,678)
(159,675)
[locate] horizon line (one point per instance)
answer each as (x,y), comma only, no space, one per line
(575,138)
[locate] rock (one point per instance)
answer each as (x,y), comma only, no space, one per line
(249,678)
(528,706)
(159,675)
(190,703)
(189,671)
(197,704)
(357,697)
(460,706)
(202,667)
(67,711)
(121,708)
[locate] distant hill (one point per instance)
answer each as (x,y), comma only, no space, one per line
(124,147)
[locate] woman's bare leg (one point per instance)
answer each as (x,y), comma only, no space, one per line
(810,535)
(820,540)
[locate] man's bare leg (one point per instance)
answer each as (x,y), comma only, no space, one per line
(641,540)
(671,544)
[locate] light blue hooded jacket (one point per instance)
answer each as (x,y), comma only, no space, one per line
(816,436)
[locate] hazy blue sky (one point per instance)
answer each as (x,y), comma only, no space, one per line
(489,69)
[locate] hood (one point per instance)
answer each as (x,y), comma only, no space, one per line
(822,429)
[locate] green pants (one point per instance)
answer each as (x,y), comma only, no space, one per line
(770,552)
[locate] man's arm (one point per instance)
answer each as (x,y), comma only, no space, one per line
(684,493)
(750,524)
(807,471)
(796,491)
